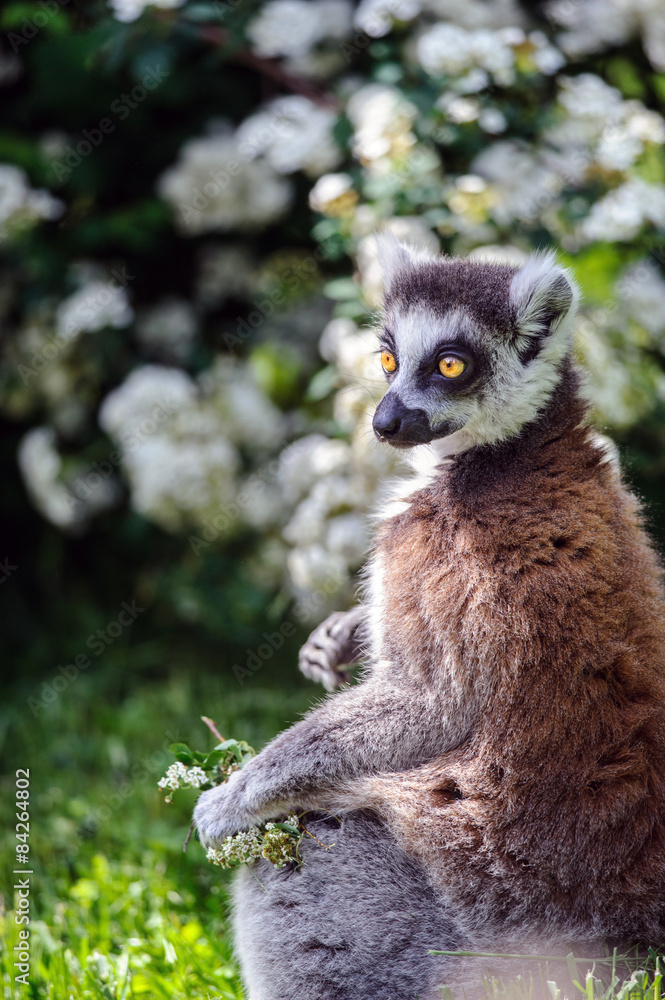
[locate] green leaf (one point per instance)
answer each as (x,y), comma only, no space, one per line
(342,288)
(323,383)
(202,12)
(182,753)
(292,830)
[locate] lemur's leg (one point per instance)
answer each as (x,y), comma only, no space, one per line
(352,923)
(361,730)
(337,641)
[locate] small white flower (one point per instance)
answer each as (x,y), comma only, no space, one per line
(93,307)
(130,10)
(175,777)
(293,27)
(328,189)
(375,17)
(382,120)
(492,120)
(196,777)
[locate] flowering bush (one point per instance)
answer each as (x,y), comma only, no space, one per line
(191,278)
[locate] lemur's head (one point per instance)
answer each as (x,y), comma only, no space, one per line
(469,348)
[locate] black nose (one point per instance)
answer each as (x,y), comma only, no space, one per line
(399,425)
(387,424)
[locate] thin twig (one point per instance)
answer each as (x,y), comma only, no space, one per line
(212,726)
(191,831)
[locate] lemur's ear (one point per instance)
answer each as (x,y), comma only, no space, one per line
(542,295)
(396,257)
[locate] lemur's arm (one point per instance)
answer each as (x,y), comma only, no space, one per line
(365,729)
(337,641)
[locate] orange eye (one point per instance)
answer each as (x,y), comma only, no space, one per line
(388,362)
(452,367)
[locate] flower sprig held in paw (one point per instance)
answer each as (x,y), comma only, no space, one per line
(276,842)
(194,769)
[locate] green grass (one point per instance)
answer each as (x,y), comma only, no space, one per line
(117,910)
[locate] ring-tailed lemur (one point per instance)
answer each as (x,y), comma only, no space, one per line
(499,773)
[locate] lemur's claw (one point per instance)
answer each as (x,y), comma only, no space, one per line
(328,648)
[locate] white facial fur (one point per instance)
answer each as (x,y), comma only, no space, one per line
(514,393)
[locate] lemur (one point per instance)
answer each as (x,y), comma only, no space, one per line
(496,780)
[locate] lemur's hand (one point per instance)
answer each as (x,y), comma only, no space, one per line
(236,805)
(335,643)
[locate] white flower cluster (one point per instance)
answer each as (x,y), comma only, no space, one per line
(641,293)
(240,849)
(130,10)
(376,17)
(54,492)
(94,306)
(594,25)
(448,50)
(216,186)
(327,530)
(330,486)
(333,194)
(293,133)
(600,129)
(269,841)
(280,847)
(382,119)
(522,183)
(179,776)
(20,205)
(479,56)
(623,384)
(294,27)
(180,439)
(622,213)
